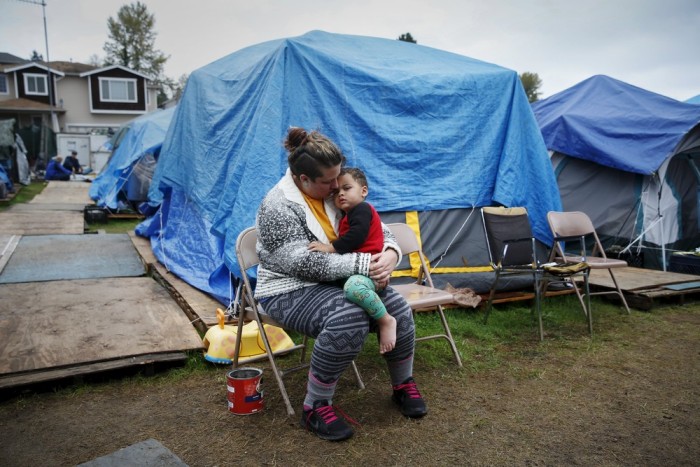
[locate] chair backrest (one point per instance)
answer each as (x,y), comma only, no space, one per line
(574,224)
(245,249)
(247,258)
(408,243)
(504,225)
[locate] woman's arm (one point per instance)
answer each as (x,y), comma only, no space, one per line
(284,239)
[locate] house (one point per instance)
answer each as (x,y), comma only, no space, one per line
(73,100)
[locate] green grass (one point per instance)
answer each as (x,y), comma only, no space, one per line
(24,195)
(114,226)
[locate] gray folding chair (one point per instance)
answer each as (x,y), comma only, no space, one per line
(422,294)
(576,225)
(250,310)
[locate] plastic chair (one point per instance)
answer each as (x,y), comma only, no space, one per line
(513,251)
(576,225)
(250,310)
(418,295)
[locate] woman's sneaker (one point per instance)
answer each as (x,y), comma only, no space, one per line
(324,423)
(409,400)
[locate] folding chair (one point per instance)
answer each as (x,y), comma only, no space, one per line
(418,295)
(577,225)
(513,251)
(250,310)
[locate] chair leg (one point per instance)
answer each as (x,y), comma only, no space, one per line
(538,304)
(358,378)
(276,371)
(587,307)
(619,291)
(448,335)
(489,303)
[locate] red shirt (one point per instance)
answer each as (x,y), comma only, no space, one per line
(360,230)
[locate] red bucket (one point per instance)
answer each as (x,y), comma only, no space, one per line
(244,391)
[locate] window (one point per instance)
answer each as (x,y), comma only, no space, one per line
(3,84)
(35,85)
(118,90)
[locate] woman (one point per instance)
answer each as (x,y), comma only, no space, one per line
(298,288)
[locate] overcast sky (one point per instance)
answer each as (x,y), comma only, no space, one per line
(653,44)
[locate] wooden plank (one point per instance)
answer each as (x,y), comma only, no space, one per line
(69,323)
(41,222)
(52,374)
(64,192)
(631,279)
(197,305)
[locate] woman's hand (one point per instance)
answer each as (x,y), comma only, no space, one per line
(382,266)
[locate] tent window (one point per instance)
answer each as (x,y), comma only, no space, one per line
(118,90)
(35,85)
(3,84)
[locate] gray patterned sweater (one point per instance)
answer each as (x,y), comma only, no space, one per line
(286,226)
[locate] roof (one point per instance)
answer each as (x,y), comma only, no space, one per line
(615,124)
(27,105)
(41,65)
(114,67)
(7,58)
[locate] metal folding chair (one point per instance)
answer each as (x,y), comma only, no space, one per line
(576,225)
(250,310)
(513,251)
(422,294)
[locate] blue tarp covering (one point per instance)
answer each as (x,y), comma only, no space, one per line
(144,135)
(433,130)
(693,100)
(615,124)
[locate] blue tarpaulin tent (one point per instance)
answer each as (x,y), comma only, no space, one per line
(629,158)
(435,132)
(138,138)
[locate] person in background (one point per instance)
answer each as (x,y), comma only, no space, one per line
(360,230)
(299,288)
(72,163)
(56,171)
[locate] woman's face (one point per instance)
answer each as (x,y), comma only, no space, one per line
(322,187)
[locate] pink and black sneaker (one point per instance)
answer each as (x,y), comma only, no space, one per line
(409,400)
(324,423)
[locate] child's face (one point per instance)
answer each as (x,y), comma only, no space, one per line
(350,193)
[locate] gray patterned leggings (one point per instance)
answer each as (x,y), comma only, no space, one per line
(339,326)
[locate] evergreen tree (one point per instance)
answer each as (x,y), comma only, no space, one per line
(407,38)
(531,83)
(131,42)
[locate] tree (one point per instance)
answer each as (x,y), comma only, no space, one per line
(131,42)
(407,38)
(531,83)
(95,60)
(36,57)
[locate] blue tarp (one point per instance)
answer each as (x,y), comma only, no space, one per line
(433,130)
(615,124)
(144,135)
(693,100)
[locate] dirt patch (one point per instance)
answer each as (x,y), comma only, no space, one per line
(629,396)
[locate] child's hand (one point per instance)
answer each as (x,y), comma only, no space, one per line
(321,247)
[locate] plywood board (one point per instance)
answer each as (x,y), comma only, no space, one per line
(199,306)
(64,192)
(47,207)
(56,257)
(631,279)
(41,222)
(71,323)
